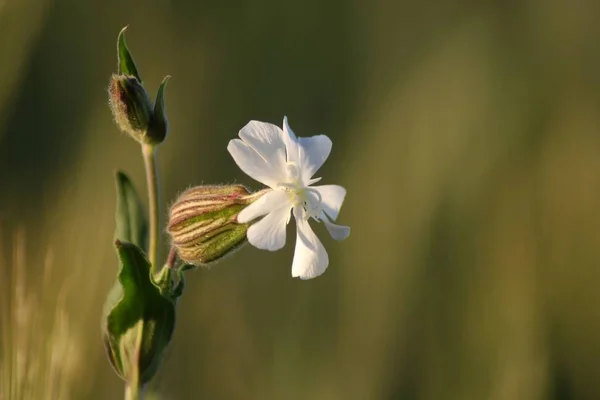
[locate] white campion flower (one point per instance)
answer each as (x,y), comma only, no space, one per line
(286,164)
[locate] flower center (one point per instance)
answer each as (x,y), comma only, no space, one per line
(302,195)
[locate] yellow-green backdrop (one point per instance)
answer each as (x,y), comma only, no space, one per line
(467,134)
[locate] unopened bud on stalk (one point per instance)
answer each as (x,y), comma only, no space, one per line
(203,222)
(132,108)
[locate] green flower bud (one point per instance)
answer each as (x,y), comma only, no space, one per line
(203,222)
(131,106)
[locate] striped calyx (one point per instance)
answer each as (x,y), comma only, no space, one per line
(203,222)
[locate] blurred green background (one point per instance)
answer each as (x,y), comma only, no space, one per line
(467,134)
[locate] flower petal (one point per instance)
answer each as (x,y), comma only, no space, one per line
(253,164)
(267,140)
(268,202)
(291,144)
(269,232)
(313,152)
(310,257)
(308,153)
(332,198)
(338,232)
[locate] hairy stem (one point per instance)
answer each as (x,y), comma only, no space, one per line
(149,152)
(172,258)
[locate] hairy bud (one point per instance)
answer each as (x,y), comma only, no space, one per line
(203,222)
(131,106)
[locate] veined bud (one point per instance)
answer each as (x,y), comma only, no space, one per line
(131,106)
(134,112)
(130,103)
(203,222)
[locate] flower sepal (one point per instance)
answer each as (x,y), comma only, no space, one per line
(203,222)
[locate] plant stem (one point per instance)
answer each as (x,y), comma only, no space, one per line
(133,392)
(133,387)
(172,258)
(149,152)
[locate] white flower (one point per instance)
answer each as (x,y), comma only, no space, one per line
(287,164)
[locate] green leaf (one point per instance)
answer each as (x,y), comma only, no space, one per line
(187,267)
(132,226)
(126,64)
(178,290)
(138,321)
(170,282)
(159,105)
(159,126)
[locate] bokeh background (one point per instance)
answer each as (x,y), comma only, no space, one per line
(467,134)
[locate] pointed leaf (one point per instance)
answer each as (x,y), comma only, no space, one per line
(126,65)
(178,290)
(159,126)
(159,105)
(170,281)
(187,267)
(138,321)
(132,225)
